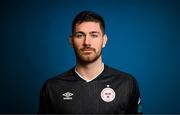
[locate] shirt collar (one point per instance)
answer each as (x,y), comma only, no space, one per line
(93,77)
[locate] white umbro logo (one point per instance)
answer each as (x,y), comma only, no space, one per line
(67,95)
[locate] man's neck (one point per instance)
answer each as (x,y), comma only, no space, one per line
(90,71)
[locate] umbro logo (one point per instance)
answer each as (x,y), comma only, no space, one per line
(67,95)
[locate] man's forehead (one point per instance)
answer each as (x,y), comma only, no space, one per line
(87,22)
(88,27)
(90,32)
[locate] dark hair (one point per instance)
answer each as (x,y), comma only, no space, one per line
(88,16)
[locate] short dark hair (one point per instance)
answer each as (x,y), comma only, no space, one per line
(88,16)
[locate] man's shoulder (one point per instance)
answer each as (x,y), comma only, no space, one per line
(119,74)
(65,76)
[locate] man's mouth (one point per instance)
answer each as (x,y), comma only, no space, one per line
(87,49)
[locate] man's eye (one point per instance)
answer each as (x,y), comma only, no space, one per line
(79,36)
(94,36)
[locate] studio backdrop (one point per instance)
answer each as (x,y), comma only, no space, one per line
(143,40)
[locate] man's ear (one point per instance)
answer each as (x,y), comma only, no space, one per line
(105,39)
(71,41)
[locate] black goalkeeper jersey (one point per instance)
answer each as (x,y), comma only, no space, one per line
(112,92)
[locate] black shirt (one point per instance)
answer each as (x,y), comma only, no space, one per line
(112,92)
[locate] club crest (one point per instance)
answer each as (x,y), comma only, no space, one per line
(108,94)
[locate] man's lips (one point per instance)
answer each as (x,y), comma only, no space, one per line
(87,49)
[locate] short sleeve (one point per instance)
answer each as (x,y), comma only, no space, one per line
(135,106)
(44,101)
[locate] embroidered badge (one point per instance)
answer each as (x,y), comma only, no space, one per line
(67,96)
(108,94)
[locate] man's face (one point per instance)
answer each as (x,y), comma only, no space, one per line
(88,41)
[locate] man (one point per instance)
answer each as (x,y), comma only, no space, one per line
(91,87)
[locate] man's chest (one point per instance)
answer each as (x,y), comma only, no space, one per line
(89,98)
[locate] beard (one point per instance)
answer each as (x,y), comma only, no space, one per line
(87,54)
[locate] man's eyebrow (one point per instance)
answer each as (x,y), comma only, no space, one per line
(94,32)
(79,32)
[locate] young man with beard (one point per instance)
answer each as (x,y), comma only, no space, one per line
(91,87)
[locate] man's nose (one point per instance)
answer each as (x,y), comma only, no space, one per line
(87,40)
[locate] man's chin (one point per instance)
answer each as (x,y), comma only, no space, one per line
(87,59)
